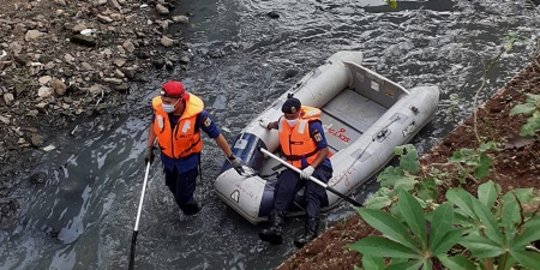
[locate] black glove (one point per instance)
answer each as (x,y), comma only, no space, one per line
(236,163)
(149,155)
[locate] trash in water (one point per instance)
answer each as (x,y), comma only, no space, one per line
(87,32)
(49,148)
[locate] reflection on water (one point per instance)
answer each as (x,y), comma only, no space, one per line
(82,218)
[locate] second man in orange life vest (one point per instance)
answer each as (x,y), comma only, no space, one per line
(177,122)
(304,145)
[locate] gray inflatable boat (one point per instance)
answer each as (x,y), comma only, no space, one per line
(364,114)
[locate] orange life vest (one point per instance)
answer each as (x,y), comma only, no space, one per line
(183,140)
(296,142)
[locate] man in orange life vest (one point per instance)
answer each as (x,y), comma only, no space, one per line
(177,122)
(304,145)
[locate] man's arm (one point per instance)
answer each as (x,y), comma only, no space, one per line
(224,145)
(151,136)
(321,155)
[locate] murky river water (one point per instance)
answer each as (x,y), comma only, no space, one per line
(83,216)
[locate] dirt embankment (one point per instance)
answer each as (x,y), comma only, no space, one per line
(64,60)
(516,165)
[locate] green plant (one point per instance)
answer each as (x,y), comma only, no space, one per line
(532,108)
(409,239)
(473,163)
(494,229)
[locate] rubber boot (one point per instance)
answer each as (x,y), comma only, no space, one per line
(273,234)
(311,231)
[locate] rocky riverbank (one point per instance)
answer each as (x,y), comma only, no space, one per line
(63,61)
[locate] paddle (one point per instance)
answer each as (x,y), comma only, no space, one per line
(317,181)
(136,229)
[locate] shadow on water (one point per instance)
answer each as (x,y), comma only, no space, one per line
(242,59)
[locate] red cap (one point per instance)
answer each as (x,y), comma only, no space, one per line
(174,89)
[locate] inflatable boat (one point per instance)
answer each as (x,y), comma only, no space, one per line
(364,115)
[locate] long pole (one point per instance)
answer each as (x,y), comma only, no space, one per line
(317,181)
(136,228)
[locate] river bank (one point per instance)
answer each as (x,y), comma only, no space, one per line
(65,61)
(515,165)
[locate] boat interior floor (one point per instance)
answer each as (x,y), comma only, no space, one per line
(347,116)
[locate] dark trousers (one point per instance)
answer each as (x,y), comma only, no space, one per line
(182,187)
(289,183)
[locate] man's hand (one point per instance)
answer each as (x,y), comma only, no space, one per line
(149,155)
(307,172)
(264,122)
(236,163)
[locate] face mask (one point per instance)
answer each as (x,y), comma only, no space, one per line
(169,108)
(291,122)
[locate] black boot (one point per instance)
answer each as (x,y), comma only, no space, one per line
(310,233)
(272,234)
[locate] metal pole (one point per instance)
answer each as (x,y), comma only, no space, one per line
(136,228)
(317,181)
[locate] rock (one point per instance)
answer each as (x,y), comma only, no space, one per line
(96,89)
(100,2)
(8,98)
(69,58)
(162,10)
(32,35)
(15,47)
(45,92)
(113,80)
(184,59)
(180,19)
(104,19)
(4,119)
(119,62)
(38,178)
(58,86)
(128,45)
(80,39)
(41,105)
(124,87)
(273,15)
(44,80)
(86,66)
(36,140)
(19,29)
(166,41)
(78,28)
(60,2)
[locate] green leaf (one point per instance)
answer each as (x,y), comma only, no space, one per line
(528,259)
(409,161)
(387,178)
(410,265)
(511,214)
(461,199)
(427,189)
(525,108)
(456,262)
(376,246)
(484,164)
(482,247)
(442,220)
(450,239)
(524,195)
(488,193)
(530,233)
(413,214)
(488,220)
(532,125)
(375,263)
(388,225)
(380,199)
